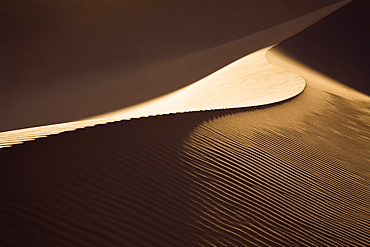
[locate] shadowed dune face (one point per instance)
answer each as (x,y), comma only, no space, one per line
(117,184)
(273,175)
(67,60)
(337,46)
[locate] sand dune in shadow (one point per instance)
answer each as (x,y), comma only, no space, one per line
(348,43)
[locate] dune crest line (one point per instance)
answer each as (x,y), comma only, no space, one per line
(247,82)
(264,38)
(57,88)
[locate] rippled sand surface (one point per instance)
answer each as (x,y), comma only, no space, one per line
(294,172)
(265,176)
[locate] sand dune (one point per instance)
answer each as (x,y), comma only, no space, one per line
(231,86)
(292,173)
(88,60)
(282,177)
(273,176)
(249,81)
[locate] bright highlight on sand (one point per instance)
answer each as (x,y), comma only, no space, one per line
(249,81)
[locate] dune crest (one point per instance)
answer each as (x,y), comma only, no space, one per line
(72,88)
(250,81)
(217,100)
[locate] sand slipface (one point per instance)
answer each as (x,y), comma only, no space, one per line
(293,173)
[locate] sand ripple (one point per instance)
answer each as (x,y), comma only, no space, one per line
(276,184)
(268,176)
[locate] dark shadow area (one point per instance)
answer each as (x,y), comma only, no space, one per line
(116,184)
(66,60)
(337,46)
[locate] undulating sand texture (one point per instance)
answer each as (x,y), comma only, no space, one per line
(290,173)
(294,173)
(281,177)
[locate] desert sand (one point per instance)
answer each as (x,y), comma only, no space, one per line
(290,167)
(228,87)
(65,61)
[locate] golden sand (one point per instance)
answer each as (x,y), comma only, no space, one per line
(290,173)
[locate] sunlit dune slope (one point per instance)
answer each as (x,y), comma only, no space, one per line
(67,60)
(282,175)
(249,81)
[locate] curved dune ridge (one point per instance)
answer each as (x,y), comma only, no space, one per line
(65,61)
(231,86)
(249,81)
(291,173)
(44,101)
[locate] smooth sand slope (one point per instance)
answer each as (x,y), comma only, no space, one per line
(68,60)
(291,173)
(249,81)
